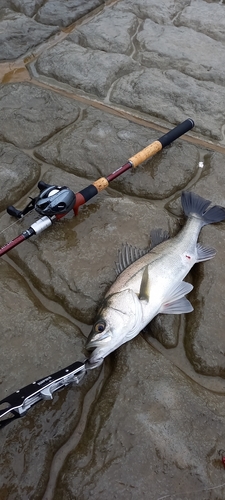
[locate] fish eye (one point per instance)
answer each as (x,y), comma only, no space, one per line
(99,327)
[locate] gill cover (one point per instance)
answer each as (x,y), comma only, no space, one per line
(55,200)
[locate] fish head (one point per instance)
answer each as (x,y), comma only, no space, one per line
(118,321)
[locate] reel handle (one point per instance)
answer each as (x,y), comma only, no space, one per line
(14,212)
(42,185)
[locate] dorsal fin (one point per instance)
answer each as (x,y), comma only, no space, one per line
(158,236)
(127,255)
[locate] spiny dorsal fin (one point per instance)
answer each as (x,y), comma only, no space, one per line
(144,293)
(158,236)
(127,255)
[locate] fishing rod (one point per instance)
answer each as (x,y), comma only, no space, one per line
(54,202)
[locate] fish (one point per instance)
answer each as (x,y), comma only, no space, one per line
(152,281)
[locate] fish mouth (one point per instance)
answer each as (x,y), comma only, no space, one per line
(92,344)
(97,340)
(89,346)
(94,363)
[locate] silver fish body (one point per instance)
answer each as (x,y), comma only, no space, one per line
(153,283)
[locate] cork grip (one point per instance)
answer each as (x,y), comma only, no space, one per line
(143,155)
(101,184)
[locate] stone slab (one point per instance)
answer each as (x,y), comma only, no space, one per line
(141,441)
(157,48)
(29,8)
(155,73)
(92,71)
(18,174)
(60,13)
(161,93)
(160,12)
(35,342)
(30,115)
(19,33)
(108,31)
(33,339)
(204,18)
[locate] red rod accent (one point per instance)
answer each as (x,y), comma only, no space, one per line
(12,244)
(80,200)
(119,171)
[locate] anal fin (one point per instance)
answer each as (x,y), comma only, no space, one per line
(205,253)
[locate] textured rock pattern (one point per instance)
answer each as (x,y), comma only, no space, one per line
(162,45)
(29,115)
(150,423)
(18,174)
(20,34)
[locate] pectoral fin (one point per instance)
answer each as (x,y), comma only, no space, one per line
(177,307)
(144,293)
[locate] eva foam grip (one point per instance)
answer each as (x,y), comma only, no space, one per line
(176,132)
(163,141)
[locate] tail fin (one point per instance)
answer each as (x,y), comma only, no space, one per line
(194,205)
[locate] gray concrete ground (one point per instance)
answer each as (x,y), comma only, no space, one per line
(84,86)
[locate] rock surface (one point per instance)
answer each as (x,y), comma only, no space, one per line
(150,423)
(60,13)
(162,405)
(18,174)
(30,115)
(18,34)
(92,71)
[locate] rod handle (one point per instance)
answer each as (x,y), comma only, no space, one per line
(176,132)
(163,141)
(146,153)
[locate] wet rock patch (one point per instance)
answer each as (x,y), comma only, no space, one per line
(162,405)
(30,115)
(18,34)
(92,71)
(60,13)
(18,173)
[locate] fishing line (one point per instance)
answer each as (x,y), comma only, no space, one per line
(15,222)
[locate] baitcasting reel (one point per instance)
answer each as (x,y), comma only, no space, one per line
(52,200)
